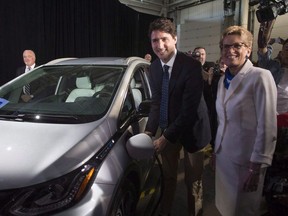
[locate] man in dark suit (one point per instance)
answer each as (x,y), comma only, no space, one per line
(29,59)
(185,91)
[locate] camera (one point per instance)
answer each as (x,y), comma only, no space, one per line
(217,70)
(269,9)
(196,54)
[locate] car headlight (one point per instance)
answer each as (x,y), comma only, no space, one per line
(57,194)
(51,196)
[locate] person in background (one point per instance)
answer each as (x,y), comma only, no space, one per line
(216,71)
(148,57)
(29,59)
(211,79)
(199,53)
(278,66)
(210,87)
(178,76)
(277,40)
(247,130)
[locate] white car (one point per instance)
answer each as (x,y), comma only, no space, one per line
(75,145)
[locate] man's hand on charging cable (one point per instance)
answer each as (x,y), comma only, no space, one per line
(160,144)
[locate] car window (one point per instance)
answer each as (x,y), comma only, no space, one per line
(127,109)
(82,92)
(140,85)
(139,90)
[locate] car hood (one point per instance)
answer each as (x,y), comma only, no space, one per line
(32,153)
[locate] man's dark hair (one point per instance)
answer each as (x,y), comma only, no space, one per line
(199,47)
(164,25)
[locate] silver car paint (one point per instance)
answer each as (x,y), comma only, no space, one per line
(37,152)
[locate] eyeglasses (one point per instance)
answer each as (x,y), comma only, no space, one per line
(235,46)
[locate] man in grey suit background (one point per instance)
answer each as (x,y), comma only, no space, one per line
(177,119)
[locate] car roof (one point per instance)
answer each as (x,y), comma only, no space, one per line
(95,61)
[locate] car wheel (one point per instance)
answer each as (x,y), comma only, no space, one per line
(125,200)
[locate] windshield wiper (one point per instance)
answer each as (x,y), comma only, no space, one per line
(5,117)
(40,117)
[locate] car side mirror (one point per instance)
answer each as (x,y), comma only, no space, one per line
(144,108)
(140,146)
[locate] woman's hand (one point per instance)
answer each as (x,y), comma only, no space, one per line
(253,176)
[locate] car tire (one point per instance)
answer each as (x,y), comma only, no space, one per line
(125,200)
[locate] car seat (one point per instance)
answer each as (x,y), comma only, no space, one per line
(83,89)
(136,93)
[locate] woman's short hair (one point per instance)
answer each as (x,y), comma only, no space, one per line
(240,31)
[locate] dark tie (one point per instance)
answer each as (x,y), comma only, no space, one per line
(163,121)
(27,86)
(27,89)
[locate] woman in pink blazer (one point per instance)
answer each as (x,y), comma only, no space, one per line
(246,135)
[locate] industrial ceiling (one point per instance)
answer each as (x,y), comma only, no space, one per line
(160,7)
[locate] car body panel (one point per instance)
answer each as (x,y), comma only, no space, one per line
(32,152)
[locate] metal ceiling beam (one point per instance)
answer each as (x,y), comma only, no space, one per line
(160,7)
(182,3)
(144,6)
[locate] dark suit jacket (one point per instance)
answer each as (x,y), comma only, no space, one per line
(21,70)
(185,91)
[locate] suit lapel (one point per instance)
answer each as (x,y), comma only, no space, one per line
(159,70)
(237,80)
(176,70)
(221,91)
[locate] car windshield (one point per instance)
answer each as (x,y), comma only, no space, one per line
(61,94)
